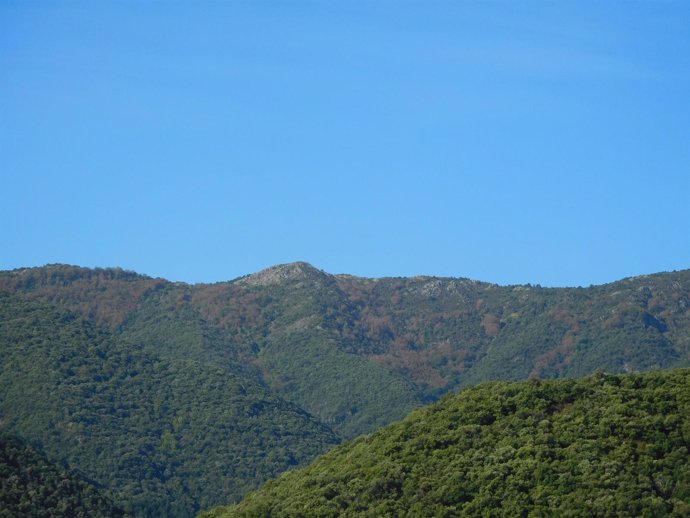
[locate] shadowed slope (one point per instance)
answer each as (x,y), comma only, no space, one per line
(32,487)
(166,436)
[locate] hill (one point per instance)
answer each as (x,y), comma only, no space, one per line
(358,353)
(32,487)
(166,437)
(179,397)
(601,446)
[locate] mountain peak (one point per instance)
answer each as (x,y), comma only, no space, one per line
(280,273)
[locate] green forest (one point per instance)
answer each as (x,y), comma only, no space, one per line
(175,398)
(605,445)
(32,487)
(167,438)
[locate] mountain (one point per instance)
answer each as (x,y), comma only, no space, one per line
(32,487)
(358,353)
(180,397)
(606,445)
(166,436)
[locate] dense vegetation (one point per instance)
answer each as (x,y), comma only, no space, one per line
(601,446)
(32,487)
(167,437)
(394,343)
(179,397)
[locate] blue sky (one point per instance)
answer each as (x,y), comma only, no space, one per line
(541,142)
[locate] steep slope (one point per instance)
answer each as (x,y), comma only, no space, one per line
(166,436)
(32,487)
(447,333)
(158,365)
(359,353)
(270,327)
(601,446)
(302,358)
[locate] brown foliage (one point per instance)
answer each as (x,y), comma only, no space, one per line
(491,324)
(104,296)
(403,357)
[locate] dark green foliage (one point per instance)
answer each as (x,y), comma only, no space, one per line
(394,343)
(344,390)
(600,446)
(167,437)
(166,323)
(352,353)
(32,487)
(300,357)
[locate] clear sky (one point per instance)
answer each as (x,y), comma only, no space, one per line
(512,142)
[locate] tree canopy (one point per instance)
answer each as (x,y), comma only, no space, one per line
(601,446)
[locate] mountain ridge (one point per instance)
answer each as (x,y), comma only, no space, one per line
(354,354)
(306,266)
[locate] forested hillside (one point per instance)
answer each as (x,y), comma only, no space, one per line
(601,446)
(358,353)
(32,487)
(179,397)
(166,437)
